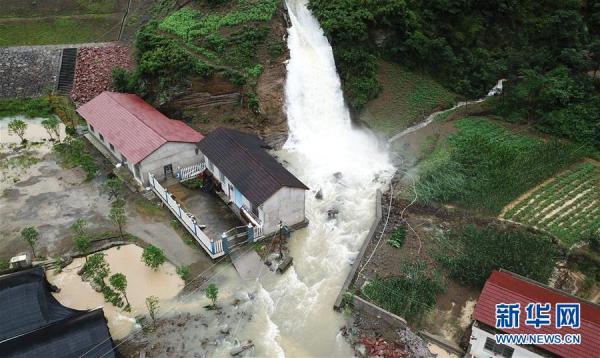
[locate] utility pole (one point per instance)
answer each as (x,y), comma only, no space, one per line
(280,240)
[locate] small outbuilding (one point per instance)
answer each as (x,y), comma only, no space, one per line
(140,137)
(257,186)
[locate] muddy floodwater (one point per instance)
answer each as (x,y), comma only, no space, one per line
(35,131)
(142,282)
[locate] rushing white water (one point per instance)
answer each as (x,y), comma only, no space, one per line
(293,312)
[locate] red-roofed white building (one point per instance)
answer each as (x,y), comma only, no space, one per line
(503,287)
(139,136)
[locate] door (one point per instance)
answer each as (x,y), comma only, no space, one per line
(168,170)
(230,192)
(238,198)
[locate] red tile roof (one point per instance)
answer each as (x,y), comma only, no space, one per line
(505,287)
(134,127)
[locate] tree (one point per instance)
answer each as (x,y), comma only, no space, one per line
(119,282)
(51,125)
(212,293)
(113,187)
(82,244)
(117,214)
(82,240)
(152,306)
(96,268)
(79,227)
(31,235)
(18,127)
(153,257)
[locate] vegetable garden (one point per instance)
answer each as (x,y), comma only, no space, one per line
(568,206)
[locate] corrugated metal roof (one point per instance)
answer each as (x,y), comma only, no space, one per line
(134,127)
(245,162)
(506,287)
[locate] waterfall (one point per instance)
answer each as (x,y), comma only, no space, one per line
(347,165)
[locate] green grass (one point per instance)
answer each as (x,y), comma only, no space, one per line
(29,8)
(59,30)
(568,206)
(485,166)
(30,108)
(407,97)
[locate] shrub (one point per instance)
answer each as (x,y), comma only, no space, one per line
(74,153)
(4,265)
(397,238)
(410,295)
(184,273)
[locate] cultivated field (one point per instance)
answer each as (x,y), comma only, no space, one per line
(568,206)
(60,21)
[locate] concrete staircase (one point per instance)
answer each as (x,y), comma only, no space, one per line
(67,71)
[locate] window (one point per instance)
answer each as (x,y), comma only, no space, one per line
(101,137)
(221,177)
(254,210)
(137,171)
(112,147)
(499,350)
(92,128)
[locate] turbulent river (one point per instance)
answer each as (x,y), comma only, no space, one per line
(293,312)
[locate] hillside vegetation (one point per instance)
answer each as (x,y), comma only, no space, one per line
(548,50)
(231,39)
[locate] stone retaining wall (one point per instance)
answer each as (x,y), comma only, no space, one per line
(31,71)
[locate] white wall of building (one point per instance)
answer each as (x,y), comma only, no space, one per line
(178,154)
(477,343)
(287,205)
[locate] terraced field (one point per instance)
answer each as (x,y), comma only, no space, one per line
(568,206)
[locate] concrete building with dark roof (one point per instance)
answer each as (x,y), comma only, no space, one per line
(257,185)
(137,135)
(34,324)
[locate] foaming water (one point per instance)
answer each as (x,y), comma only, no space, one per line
(294,312)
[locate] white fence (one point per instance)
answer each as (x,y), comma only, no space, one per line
(191,171)
(213,247)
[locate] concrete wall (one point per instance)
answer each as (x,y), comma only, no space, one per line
(177,154)
(477,342)
(287,205)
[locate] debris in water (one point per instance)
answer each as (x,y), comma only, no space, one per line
(337,175)
(319,195)
(240,349)
(285,264)
(332,213)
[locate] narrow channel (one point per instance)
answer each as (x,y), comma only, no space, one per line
(293,312)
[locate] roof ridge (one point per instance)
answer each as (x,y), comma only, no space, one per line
(546,287)
(226,130)
(133,114)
